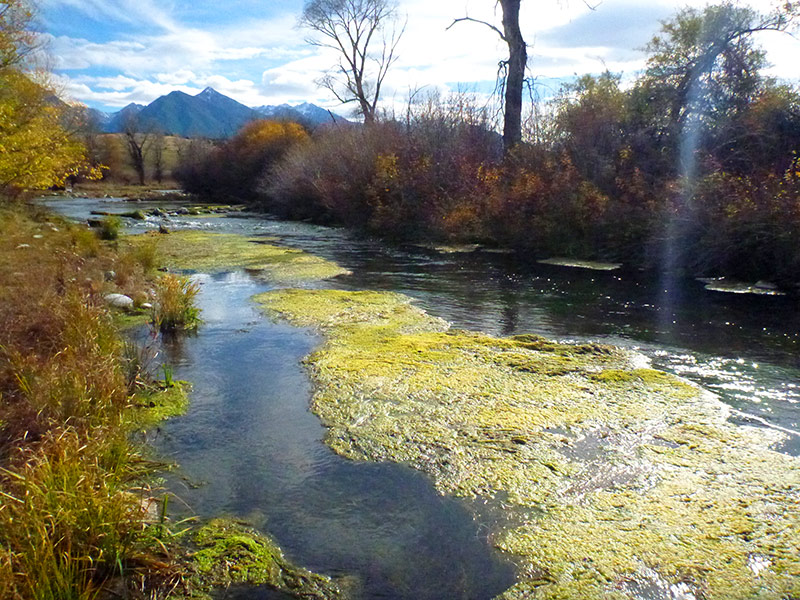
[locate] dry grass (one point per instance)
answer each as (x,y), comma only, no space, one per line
(68,520)
(174,308)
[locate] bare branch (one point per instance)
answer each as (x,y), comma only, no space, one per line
(489,25)
(354,28)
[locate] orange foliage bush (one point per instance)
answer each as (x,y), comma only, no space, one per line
(235,168)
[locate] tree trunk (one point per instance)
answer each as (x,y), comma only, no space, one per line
(517,61)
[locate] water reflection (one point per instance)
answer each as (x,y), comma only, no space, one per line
(687,330)
(250,447)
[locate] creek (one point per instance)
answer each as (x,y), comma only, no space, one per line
(249,446)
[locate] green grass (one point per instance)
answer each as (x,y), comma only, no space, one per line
(110,227)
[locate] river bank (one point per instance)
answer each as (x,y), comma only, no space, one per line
(82,515)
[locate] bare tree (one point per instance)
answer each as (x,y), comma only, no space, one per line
(513,68)
(365,33)
(137,141)
(157,147)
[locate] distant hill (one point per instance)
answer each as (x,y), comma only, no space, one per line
(209,114)
(115,123)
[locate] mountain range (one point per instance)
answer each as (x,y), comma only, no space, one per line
(208,114)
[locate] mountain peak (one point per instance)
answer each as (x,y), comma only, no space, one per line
(209,92)
(210,114)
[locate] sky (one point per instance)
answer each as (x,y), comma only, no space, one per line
(109,53)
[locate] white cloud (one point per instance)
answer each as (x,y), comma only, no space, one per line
(566,38)
(133,12)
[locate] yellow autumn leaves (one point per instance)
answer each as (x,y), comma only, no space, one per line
(37,147)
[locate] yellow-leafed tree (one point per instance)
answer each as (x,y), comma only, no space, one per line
(36,150)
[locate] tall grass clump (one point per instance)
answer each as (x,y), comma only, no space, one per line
(174,307)
(67,519)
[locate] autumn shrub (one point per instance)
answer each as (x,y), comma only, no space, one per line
(234,168)
(747,227)
(327,179)
(412,180)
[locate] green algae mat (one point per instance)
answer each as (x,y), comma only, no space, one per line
(229,552)
(611,478)
(215,252)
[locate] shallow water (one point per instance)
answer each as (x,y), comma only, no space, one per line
(249,446)
(745,348)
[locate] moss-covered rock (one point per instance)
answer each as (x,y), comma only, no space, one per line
(214,252)
(606,471)
(229,552)
(148,409)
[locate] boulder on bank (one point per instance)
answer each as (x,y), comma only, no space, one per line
(119,301)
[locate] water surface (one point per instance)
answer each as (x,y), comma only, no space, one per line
(249,447)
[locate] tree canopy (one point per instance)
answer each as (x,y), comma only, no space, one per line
(37,150)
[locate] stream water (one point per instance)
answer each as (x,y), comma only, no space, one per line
(249,447)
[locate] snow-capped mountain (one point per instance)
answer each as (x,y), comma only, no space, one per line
(208,114)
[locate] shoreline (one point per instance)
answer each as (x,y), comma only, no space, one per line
(153,553)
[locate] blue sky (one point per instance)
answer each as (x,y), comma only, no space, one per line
(108,53)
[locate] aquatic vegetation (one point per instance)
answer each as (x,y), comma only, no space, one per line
(214,252)
(149,409)
(174,304)
(581,264)
(605,470)
(229,552)
(110,227)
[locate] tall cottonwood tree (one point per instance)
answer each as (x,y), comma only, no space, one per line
(365,33)
(514,68)
(704,73)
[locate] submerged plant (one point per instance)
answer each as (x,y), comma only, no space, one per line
(174,309)
(610,473)
(110,228)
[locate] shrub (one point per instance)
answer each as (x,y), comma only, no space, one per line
(234,168)
(110,228)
